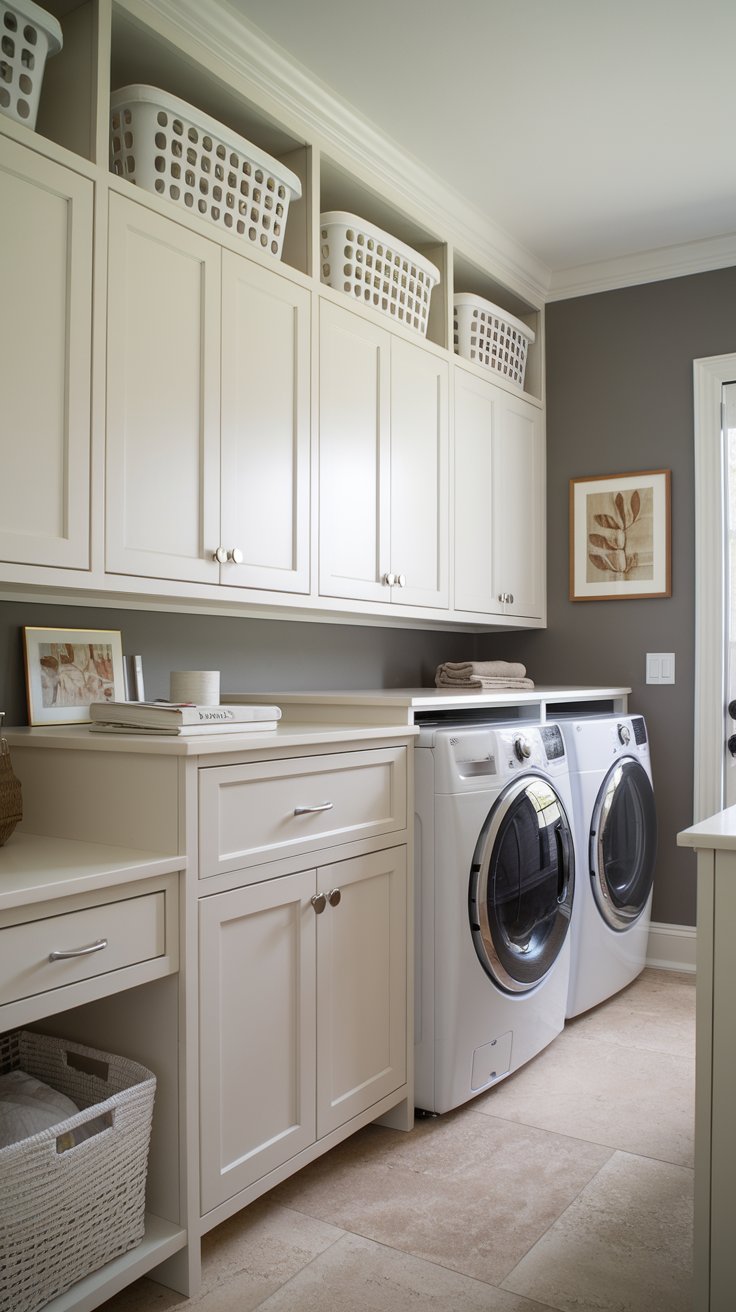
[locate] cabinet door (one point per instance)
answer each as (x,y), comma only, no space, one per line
(354,445)
(361,986)
(163,386)
(257,1032)
(265,426)
(499,501)
(519,507)
(45,354)
(476,428)
(419,476)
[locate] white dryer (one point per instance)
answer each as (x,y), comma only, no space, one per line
(616,841)
(494,893)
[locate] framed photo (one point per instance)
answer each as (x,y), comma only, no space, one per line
(620,541)
(68,669)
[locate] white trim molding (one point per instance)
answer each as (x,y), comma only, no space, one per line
(644,266)
(671,947)
(709,375)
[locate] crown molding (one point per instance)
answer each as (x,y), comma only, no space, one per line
(647,266)
(242,47)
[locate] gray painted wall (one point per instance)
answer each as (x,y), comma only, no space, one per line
(252,655)
(620,399)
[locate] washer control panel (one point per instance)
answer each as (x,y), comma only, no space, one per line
(468,758)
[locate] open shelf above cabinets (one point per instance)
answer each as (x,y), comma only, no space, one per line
(142,56)
(67,111)
(470,278)
(340,191)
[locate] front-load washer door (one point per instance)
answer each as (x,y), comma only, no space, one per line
(521,884)
(623,844)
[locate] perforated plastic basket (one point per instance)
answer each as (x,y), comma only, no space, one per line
(29,36)
(370,265)
(167,146)
(491,337)
(67,1208)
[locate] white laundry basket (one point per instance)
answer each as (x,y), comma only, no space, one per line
(370,265)
(491,337)
(167,146)
(70,1204)
(28,36)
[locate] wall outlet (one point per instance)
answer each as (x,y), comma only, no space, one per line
(660,667)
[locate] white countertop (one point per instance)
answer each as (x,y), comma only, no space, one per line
(311,733)
(398,705)
(718,831)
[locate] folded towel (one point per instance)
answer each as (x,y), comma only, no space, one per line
(491,676)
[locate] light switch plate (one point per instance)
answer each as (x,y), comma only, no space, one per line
(660,667)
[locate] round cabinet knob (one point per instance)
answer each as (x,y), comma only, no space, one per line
(732,744)
(319,902)
(333,897)
(523,748)
(389,580)
(220,556)
(401,580)
(624,734)
(236,556)
(510,598)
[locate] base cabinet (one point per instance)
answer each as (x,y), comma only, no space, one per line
(302,1012)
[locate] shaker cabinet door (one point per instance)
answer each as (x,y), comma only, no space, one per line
(163,392)
(419,476)
(257,1032)
(265,427)
(45,352)
(361,985)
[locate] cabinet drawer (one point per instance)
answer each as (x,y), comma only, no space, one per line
(254,813)
(135,930)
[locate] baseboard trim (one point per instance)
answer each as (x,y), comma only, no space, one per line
(671,947)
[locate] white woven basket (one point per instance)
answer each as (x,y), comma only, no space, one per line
(28,36)
(66,1213)
(370,265)
(491,337)
(167,146)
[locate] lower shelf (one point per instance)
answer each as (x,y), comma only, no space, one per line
(161,1240)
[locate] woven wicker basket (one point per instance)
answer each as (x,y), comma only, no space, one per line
(11,801)
(66,1211)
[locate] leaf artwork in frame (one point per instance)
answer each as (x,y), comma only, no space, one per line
(620,537)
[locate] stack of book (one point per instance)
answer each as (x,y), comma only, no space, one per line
(169,718)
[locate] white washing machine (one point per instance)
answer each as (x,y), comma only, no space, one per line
(494,893)
(616,842)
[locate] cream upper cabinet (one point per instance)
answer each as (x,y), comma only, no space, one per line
(45,353)
(383,465)
(163,402)
(499,501)
(266,335)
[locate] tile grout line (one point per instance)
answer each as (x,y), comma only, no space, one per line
(574,1138)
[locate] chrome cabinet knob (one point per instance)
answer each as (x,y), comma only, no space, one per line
(389,580)
(236,556)
(506,598)
(319,902)
(401,580)
(220,556)
(510,598)
(333,897)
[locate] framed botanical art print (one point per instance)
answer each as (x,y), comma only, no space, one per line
(68,669)
(620,541)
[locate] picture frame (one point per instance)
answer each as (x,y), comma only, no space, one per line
(69,669)
(620,536)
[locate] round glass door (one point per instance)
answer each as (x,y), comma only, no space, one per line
(521,885)
(623,844)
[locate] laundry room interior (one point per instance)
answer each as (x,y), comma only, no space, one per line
(408,974)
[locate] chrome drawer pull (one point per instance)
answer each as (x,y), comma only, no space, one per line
(310,810)
(78,952)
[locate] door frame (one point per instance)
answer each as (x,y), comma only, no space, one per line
(709,375)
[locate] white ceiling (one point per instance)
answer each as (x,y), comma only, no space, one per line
(586,129)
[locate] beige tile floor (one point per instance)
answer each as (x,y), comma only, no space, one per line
(567,1187)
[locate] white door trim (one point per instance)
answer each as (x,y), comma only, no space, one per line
(709,375)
